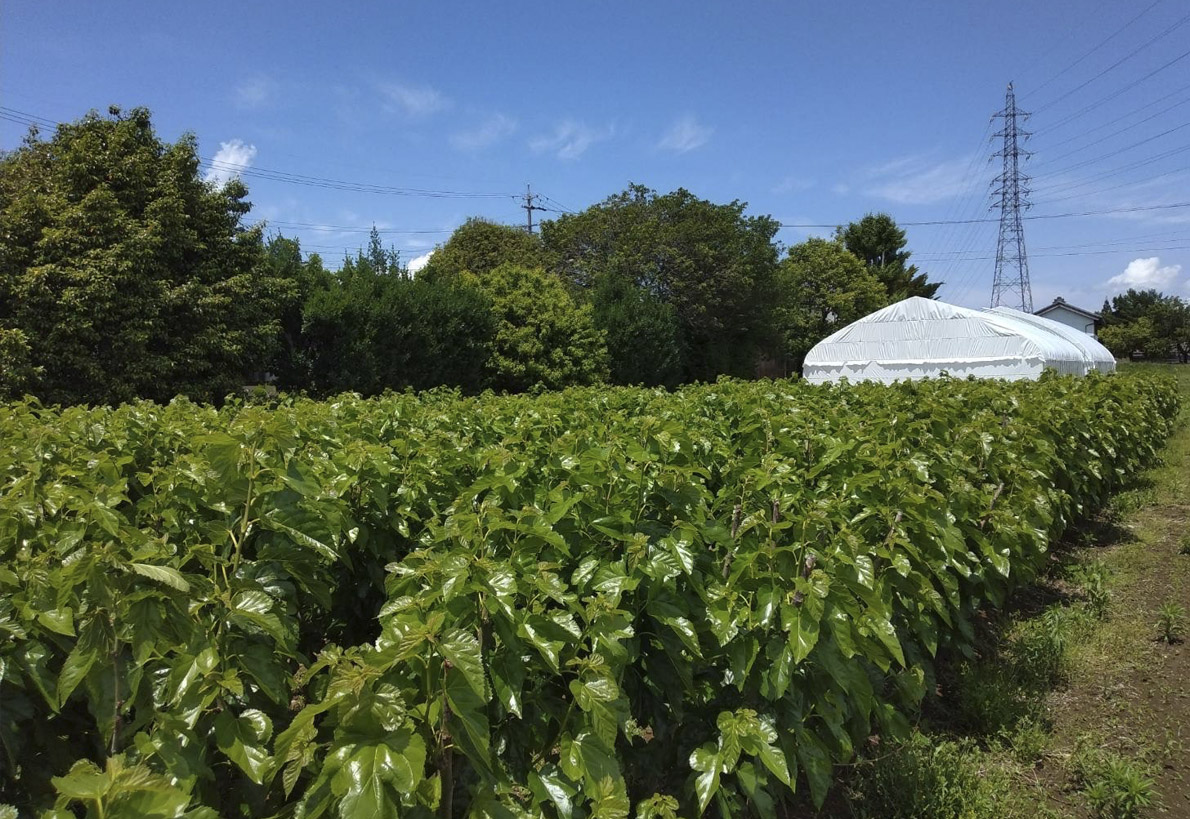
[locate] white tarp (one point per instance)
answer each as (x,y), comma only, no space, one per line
(1100,357)
(923,338)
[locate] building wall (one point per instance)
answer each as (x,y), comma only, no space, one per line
(1071,319)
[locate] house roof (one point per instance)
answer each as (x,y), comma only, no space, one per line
(1061,302)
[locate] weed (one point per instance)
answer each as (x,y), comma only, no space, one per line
(1093,576)
(927,778)
(1171,622)
(1027,740)
(1184,545)
(1118,788)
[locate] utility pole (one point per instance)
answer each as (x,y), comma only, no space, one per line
(529,207)
(1011,285)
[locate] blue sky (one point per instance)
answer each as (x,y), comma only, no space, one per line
(815,113)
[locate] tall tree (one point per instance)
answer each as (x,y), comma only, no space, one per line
(880,245)
(126,273)
(368,330)
(822,288)
(283,256)
(711,264)
(644,336)
(479,246)
(544,338)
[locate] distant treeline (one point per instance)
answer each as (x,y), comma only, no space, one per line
(123,274)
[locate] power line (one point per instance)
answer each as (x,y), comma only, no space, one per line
(352,228)
(934,222)
(1140,163)
(338,184)
(1126,116)
(1172,28)
(1168,175)
(1116,134)
(1116,152)
(1087,54)
(25,118)
(1149,249)
(1087,109)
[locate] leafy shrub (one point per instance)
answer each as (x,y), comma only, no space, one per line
(506,605)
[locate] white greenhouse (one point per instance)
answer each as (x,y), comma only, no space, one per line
(923,338)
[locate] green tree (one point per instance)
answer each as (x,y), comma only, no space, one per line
(369,330)
(1149,321)
(644,336)
(283,256)
(479,246)
(17,374)
(711,264)
(128,275)
(822,287)
(880,245)
(544,338)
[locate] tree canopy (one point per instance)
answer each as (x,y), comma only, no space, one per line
(711,264)
(479,246)
(124,273)
(1147,321)
(880,245)
(543,338)
(370,327)
(822,287)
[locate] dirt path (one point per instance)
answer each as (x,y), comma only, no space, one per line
(1129,692)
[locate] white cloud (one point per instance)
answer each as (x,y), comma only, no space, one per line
(231,158)
(413,100)
(254,91)
(1146,273)
(920,180)
(685,135)
(793,184)
(570,139)
(489,132)
(420,261)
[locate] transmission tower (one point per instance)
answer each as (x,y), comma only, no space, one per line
(1011,194)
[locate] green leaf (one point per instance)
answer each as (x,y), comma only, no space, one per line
(706,760)
(468,713)
(84,781)
(548,783)
(374,773)
(80,660)
(242,739)
(60,620)
(508,676)
(166,575)
(683,549)
(685,631)
(801,623)
(883,630)
(534,629)
(461,649)
(816,762)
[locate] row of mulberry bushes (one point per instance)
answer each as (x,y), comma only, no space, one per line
(585,604)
